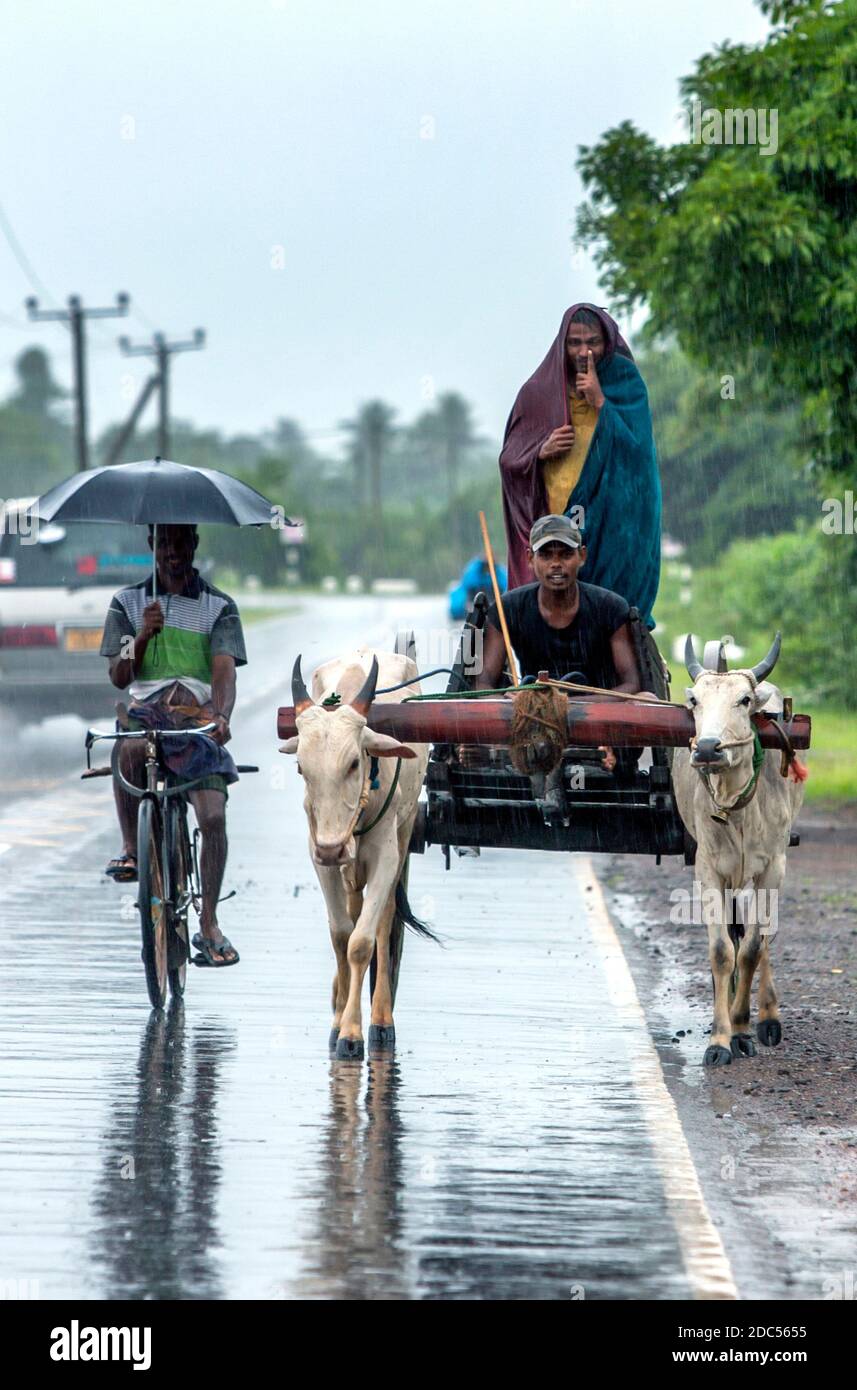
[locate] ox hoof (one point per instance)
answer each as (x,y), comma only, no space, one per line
(769,1032)
(349,1050)
(742,1045)
(382,1037)
(716,1056)
(333,1040)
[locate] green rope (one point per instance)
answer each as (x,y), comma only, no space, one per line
(387,800)
(758,759)
(476,694)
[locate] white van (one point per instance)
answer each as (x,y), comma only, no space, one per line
(56,583)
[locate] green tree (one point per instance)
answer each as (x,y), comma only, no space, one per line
(729,467)
(739,252)
(37,389)
(35,445)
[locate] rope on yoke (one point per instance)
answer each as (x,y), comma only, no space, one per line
(518,690)
(537,750)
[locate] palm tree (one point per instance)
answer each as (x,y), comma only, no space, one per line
(372,433)
(456,437)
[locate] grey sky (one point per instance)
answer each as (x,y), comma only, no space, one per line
(407,262)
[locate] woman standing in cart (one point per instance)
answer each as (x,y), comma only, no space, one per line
(579,442)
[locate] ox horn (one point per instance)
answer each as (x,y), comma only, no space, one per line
(767,664)
(363,700)
(301,698)
(693,665)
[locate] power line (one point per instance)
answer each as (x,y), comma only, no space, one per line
(9,322)
(22,258)
(142,318)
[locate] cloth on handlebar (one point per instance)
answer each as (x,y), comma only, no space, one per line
(188,758)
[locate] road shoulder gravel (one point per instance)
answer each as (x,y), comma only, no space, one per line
(774,1137)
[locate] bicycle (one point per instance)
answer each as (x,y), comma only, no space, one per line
(168,874)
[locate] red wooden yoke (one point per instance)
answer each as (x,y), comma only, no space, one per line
(620,724)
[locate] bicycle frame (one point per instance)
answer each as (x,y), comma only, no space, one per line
(171,824)
(158,789)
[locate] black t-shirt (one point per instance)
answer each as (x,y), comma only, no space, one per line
(582,646)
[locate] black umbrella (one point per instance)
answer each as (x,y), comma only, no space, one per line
(156,492)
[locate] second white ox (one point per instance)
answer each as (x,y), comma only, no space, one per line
(359,827)
(740,810)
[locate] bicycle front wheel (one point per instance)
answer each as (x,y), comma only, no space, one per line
(178,950)
(150,900)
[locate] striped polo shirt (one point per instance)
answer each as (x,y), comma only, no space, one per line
(199,623)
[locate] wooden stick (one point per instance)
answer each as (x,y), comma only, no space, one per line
(644,696)
(489,555)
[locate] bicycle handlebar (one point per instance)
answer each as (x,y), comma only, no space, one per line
(96,735)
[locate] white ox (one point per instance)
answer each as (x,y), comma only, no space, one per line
(741,827)
(358,858)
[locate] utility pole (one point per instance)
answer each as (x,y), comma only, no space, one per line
(131,423)
(75,317)
(162,351)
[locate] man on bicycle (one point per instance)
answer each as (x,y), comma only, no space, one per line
(177,656)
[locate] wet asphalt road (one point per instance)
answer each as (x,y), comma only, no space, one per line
(513,1149)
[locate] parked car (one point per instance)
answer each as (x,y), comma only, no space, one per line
(476,576)
(56,583)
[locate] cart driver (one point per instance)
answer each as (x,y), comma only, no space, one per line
(177,654)
(575,631)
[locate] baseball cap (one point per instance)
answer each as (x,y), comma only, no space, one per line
(555,528)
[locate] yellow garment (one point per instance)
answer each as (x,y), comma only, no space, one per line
(561,474)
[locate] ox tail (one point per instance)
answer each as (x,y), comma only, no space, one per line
(406,914)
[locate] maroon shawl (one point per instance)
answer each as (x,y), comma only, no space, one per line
(541,406)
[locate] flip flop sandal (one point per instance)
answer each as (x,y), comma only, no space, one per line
(207,950)
(123,869)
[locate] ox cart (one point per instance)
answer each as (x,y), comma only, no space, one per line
(474,802)
(478,796)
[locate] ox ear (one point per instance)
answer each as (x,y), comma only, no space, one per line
(290,745)
(383,746)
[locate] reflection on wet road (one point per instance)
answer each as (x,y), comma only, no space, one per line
(154,1206)
(216,1152)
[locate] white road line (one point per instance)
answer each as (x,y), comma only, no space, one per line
(705,1259)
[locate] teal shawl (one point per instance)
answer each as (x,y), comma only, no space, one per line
(619,492)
